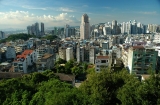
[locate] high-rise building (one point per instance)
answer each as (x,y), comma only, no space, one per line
(34,29)
(37,29)
(2,35)
(69,54)
(42,29)
(80,53)
(85,27)
(114,27)
(128,27)
(134,27)
(66,29)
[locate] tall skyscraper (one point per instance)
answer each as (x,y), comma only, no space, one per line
(85,27)
(37,29)
(114,27)
(42,29)
(134,27)
(66,29)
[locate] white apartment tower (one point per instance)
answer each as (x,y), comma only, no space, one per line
(84,27)
(69,54)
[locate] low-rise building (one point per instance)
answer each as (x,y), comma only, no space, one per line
(102,62)
(23,61)
(10,53)
(46,62)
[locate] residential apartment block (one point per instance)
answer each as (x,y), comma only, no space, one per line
(102,62)
(23,61)
(141,58)
(46,62)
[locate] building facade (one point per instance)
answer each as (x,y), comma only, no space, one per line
(85,27)
(140,59)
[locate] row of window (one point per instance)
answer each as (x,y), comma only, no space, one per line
(101,61)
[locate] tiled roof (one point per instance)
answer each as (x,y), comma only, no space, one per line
(65,77)
(46,56)
(102,57)
(138,47)
(24,54)
(10,75)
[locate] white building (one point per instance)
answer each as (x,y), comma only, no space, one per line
(102,62)
(107,30)
(92,55)
(128,27)
(156,38)
(69,54)
(80,54)
(21,63)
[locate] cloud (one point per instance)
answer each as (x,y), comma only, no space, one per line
(22,19)
(65,9)
(148,13)
(29,7)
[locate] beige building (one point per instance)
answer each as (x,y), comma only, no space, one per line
(84,27)
(62,53)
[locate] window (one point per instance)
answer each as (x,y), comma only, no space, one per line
(16,69)
(20,68)
(103,61)
(15,64)
(20,65)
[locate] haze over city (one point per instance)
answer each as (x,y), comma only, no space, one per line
(19,14)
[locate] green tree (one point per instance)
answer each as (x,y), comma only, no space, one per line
(76,70)
(68,66)
(102,87)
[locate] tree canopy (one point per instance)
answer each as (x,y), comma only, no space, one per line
(16,37)
(104,88)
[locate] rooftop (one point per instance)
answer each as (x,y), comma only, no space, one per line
(138,47)
(24,54)
(46,56)
(102,57)
(65,77)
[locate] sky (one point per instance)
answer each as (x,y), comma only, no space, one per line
(21,13)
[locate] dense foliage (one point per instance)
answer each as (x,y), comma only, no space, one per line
(105,88)
(50,37)
(70,67)
(16,37)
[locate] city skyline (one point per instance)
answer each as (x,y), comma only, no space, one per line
(19,14)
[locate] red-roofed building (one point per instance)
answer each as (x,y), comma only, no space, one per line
(102,62)
(21,63)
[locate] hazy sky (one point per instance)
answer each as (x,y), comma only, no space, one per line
(21,13)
